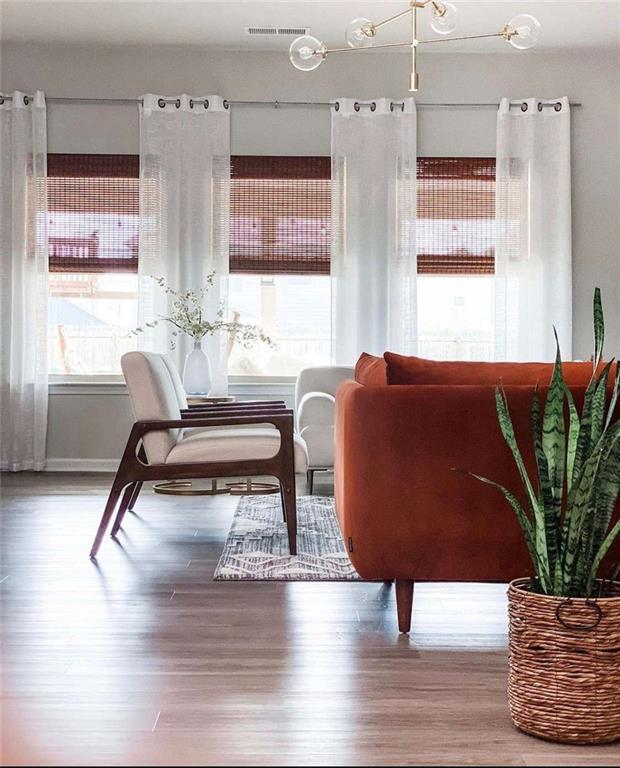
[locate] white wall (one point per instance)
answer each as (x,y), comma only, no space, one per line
(591,78)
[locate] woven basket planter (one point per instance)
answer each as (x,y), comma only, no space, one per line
(564,682)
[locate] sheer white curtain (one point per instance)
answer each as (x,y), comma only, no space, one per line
(23,282)
(533,250)
(373,259)
(184,211)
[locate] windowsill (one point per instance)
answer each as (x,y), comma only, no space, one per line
(115,385)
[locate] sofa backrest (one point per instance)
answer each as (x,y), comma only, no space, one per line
(401,369)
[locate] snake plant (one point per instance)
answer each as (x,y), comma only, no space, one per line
(567,521)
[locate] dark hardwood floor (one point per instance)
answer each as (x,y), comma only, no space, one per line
(141,659)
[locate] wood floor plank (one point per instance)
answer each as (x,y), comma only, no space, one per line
(141,659)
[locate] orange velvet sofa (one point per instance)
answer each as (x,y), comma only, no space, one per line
(406,513)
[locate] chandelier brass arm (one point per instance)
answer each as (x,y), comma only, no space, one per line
(307,53)
(327,51)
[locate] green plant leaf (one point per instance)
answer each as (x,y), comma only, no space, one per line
(546,497)
(584,438)
(507,429)
(554,447)
(573,435)
(607,488)
(581,501)
(599,328)
(598,559)
(597,421)
(614,397)
(528,532)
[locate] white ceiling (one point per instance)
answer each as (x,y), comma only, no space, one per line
(575,24)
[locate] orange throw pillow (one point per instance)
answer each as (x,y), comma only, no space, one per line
(417,370)
(371,371)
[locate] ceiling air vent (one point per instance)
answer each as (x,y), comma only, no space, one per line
(276,31)
(293,31)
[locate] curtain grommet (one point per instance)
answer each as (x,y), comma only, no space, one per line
(26,100)
(540,106)
(373,106)
(205,103)
(226,103)
(177,103)
(557,106)
(524,106)
(336,106)
(161,103)
(191,103)
(391,106)
(357,106)
(1,100)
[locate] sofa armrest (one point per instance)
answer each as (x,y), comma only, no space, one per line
(403,510)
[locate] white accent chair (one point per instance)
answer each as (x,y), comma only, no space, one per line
(315,407)
(169,441)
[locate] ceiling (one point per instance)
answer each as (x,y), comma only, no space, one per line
(574,24)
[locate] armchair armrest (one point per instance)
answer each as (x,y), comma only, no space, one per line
(234,405)
(231,409)
(316,409)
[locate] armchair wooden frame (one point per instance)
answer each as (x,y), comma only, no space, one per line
(134,470)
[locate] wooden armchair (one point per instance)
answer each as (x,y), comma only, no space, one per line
(170,443)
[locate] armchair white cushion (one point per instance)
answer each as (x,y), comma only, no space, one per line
(314,405)
(234,444)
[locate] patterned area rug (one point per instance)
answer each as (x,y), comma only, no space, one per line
(257,545)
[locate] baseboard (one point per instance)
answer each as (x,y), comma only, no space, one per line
(82,465)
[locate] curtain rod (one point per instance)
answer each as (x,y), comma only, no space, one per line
(274,103)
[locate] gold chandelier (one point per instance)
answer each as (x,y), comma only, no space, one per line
(307,53)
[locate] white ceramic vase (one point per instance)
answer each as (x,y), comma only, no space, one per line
(197,372)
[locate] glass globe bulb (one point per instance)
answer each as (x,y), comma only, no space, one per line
(359,33)
(307,53)
(443,20)
(525,31)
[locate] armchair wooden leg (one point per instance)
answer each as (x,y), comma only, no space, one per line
(310,480)
(290,513)
(404,603)
(129,497)
(117,487)
(126,503)
(134,495)
(282,501)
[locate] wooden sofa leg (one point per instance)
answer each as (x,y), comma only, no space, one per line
(404,603)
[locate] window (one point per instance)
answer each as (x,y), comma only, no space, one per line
(456,257)
(93,203)
(279,261)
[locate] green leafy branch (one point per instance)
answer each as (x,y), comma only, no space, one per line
(187,315)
